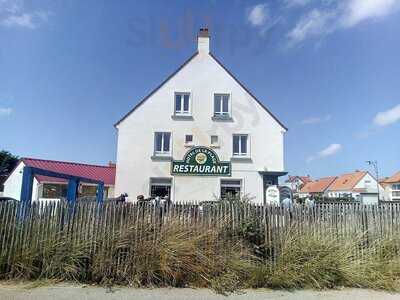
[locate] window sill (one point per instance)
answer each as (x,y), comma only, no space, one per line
(182,117)
(165,157)
(215,146)
(241,158)
(189,145)
(222,118)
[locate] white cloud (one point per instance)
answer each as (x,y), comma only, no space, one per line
(315,23)
(11,6)
(388,117)
(294,3)
(12,14)
(258,15)
(357,11)
(332,149)
(24,20)
(5,111)
(316,120)
(339,15)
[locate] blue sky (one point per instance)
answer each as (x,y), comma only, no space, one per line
(330,70)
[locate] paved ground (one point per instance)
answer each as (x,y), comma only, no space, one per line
(70,292)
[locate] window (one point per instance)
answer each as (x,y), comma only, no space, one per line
(367,183)
(396,194)
(240,147)
(162,143)
(214,140)
(221,105)
(230,189)
(189,139)
(182,104)
(87,190)
(160,187)
(396,187)
(54,191)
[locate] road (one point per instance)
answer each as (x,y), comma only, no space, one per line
(9,291)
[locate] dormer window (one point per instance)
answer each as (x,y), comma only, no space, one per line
(182,104)
(222,106)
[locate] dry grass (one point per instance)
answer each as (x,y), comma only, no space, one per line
(178,255)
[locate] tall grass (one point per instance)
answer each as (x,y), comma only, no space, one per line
(178,253)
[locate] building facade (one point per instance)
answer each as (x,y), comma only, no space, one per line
(200,135)
(358,185)
(48,188)
(391,186)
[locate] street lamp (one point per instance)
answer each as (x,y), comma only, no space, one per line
(374,164)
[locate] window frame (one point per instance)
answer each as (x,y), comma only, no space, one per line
(221,114)
(240,154)
(170,185)
(181,112)
(241,185)
(162,152)
(191,143)
(216,145)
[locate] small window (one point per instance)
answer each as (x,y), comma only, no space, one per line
(189,139)
(182,104)
(214,140)
(221,105)
(162,143)
(160,187)
(230,189)
(240,145)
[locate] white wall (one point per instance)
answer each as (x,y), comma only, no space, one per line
(13,184)
(202,77)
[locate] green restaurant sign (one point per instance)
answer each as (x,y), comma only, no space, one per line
(201,161)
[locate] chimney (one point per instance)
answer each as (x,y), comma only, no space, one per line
(203,41)
(111,164)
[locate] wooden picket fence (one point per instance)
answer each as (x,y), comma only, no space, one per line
(96,223)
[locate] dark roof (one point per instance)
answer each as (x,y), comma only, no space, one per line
(183,65)
(95,172)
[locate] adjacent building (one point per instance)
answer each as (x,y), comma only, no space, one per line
(49,188)
(316,188)
(295,183)
(356,186)
(391,186)
(200,135)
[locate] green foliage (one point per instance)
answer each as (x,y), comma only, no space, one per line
(7,162)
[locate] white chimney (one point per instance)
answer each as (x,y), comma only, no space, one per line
(203,41)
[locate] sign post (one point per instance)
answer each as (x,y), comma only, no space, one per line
(272,195)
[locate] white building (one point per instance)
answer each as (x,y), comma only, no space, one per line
(391,187)
(50,188)
(236,142)
(359,185)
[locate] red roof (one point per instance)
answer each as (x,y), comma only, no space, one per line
(393,179)
(318,186)
(347,182)
(95,172)
(303,179)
